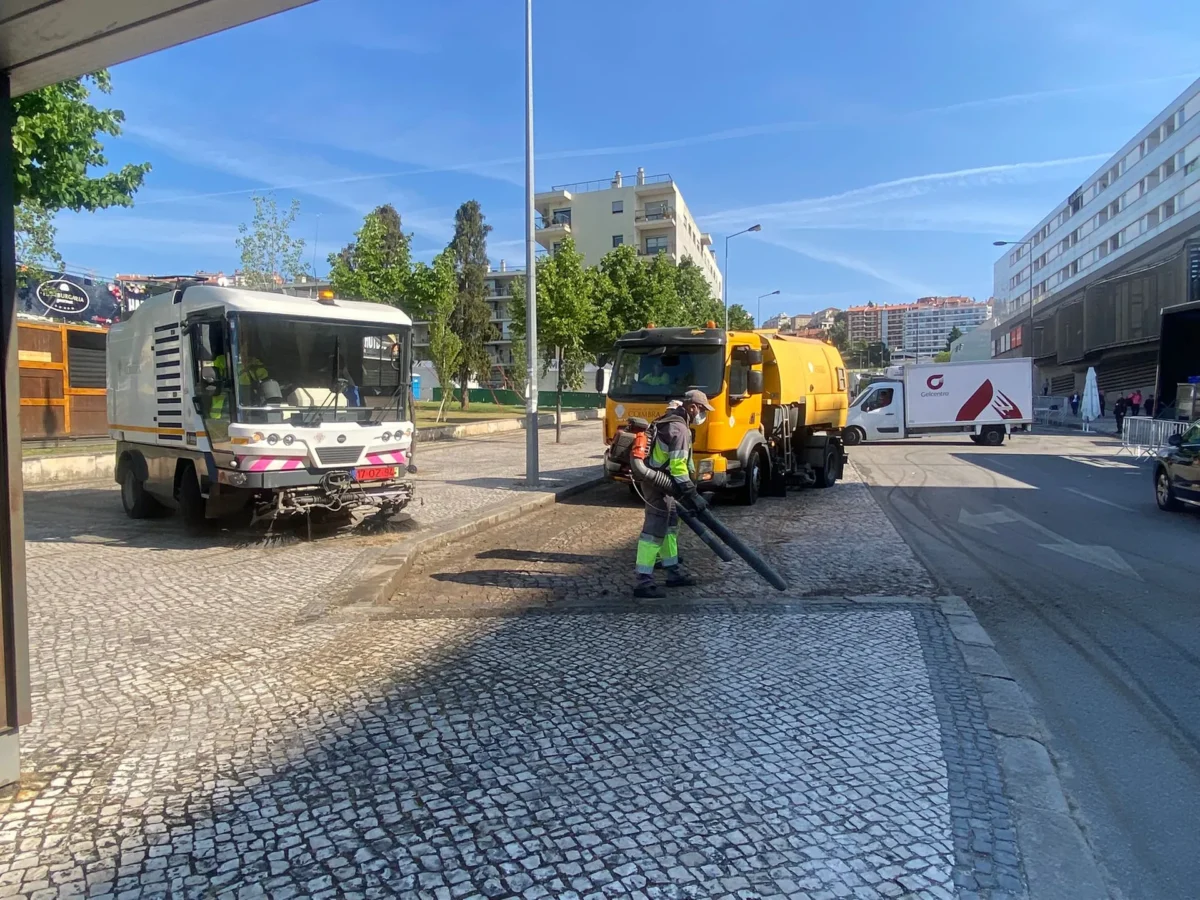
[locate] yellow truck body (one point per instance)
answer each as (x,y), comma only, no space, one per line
(780,403)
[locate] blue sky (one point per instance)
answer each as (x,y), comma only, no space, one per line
(882,145)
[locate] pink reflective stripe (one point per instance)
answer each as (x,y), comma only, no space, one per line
(269,463)
(386,457)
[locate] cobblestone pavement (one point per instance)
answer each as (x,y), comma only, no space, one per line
(192,739)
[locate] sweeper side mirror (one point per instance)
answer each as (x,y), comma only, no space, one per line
(754,382)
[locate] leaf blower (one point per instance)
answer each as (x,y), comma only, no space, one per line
(700,519)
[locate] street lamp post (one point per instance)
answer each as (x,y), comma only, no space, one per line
(759,321)
(531,381)
(725,280)
(1024,244)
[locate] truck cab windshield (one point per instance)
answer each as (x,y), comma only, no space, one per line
(306,372)
(662,372)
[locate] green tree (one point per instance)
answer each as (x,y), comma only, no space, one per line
(839,333)
(56,143)
(35,233)
(434,290)
(268,249)
(696,300)
(941,356)
(472,316)
(565,318)
(376,265)
(955,334)
(740,319)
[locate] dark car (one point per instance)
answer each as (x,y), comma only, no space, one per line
(1177,471)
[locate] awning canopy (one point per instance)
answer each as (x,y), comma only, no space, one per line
(46,41)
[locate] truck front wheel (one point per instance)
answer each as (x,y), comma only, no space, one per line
(754,479)
(191,501)
(138,504)
(853,436)
(992,437)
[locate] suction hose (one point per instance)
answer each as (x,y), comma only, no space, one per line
(704,518)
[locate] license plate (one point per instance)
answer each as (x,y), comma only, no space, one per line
(374,473)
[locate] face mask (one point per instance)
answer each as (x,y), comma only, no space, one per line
(700,417)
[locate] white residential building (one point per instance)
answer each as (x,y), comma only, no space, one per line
(1143,190)
(929,322)
(646,211)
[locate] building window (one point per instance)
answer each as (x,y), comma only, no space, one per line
(1152,219)
(1114,208)
(1168,128)
(656,244)
(1151,181)
(1076,204)
(1168,208)
(1168,168)
(1114,243)
(561,216)
(618,240)
(1074,268)
(554,248)
(618,206)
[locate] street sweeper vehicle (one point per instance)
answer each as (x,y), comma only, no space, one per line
(780,405)
(223,401)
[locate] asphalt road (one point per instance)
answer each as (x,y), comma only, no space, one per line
(1092,595)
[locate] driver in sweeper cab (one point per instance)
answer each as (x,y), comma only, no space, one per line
(672,453)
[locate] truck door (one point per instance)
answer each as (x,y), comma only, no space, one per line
(882,413)
(213,396)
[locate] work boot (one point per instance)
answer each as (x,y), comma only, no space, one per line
(676,577)
(645,589)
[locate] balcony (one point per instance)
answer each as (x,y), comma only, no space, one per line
(649,253)
(654,216)
(553,231)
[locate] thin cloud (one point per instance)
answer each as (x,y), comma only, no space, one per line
(890,191)
(901,283)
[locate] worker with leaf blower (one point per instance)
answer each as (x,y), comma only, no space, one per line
(667,446)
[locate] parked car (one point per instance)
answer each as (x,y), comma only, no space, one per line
(1177,471)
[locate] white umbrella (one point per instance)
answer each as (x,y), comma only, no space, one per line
(1089,408)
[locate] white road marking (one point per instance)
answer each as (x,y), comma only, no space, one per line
(1098,499)
(1100,462)
(1095,554)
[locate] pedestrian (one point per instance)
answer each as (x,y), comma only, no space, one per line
(1102,404)
(1135,402)
(1075,404)
(670,453)
(1149,406)
(1119,413)
(1046,388)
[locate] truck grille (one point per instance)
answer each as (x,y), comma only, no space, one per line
(338,456)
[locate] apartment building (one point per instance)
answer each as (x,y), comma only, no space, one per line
(646,211)
(877,323)
(1084,287)
(929,322)
(1143,190)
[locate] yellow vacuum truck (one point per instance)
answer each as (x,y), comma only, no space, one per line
(779,405)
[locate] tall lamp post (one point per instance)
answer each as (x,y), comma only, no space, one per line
(725,281)
(758,321)
(1024,244)
(531,380)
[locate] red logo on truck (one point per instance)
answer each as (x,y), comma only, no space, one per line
(986,395)
(935,382)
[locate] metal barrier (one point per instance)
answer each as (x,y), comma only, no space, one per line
(1051,410)
(1145,437)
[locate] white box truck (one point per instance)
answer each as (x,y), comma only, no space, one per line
(985,400)
(224,400)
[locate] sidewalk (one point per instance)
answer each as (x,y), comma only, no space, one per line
(199,734)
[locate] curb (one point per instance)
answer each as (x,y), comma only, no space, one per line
(500,426)
(46,471)
(383,569)
(1055,856)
